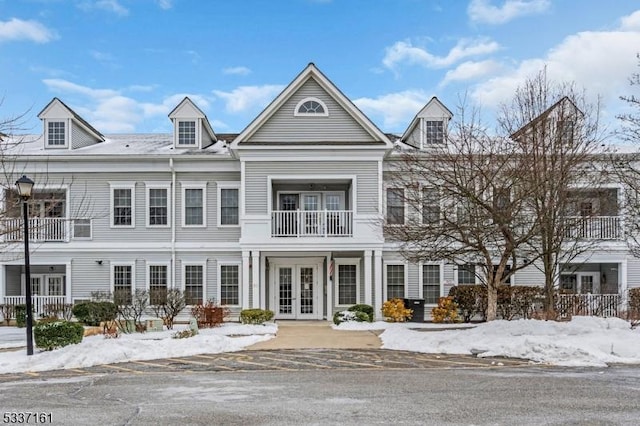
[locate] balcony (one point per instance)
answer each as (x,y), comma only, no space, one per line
(593,227)
(42,305)
(41,229)
(312,223)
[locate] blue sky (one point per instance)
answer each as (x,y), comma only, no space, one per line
(123,65)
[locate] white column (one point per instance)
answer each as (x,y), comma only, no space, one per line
(68,289)
(263,280)
(622,282)
(329,289)
(368,285)
(3,283)
(255,277)
(245,280)
(377,284)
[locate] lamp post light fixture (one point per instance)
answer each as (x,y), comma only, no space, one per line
(25,186)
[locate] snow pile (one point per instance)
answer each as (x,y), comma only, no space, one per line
(96,350)
(584,341)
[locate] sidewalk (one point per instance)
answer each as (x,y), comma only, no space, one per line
(318,335)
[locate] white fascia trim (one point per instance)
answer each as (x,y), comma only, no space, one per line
(194,185)
(183,284)
(307,99)
(166,264)
(385,276)
(227,185)
(158,185)
(336,276)
(220,264)
(112,266)
(122,185)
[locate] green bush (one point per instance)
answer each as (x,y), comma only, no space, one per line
(469,299)
(50,335)
(21,315)
(367,309)
(345,316)
(255,316)
(93,313)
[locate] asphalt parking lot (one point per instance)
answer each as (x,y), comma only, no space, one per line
(283,360)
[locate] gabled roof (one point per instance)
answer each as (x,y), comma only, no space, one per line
(564,102)
(434,103)
(187,103)
(74,116)
(311,71)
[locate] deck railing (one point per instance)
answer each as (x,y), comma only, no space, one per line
(312,223)
(593,227)
(599,305)
(39,303)
(41,229)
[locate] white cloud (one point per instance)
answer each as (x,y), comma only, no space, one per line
(601,62)
(246,98)
(110,111)
(395,109)
(470,70)
(17,29)
(236,71)
(112,6)
(403,52)
(631,22)
(484,11)
(165,4)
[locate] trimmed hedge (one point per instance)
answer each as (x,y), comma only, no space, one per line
(346,316)
(93,313)
(50,335)
(255,316)
(513,301)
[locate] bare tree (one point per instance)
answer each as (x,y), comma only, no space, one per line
(468,204)
(558,135)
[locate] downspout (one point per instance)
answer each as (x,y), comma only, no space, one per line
(173,221)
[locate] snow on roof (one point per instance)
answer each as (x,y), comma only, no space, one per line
(117,144)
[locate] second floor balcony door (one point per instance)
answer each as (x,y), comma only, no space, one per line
(289,221)
(312,219)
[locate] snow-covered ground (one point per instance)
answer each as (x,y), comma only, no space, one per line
(584,341)
(95,350)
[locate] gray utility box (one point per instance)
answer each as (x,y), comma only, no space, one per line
(417,305)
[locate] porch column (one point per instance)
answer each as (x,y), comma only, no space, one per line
(67,283)
(377,284)
(367,278)
(263,283)
(3,284)
(622,283)
(245,280)
(330,280)
(255,278)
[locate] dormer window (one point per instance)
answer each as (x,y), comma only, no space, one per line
(56,134)
(186,133)
(434,132)
(311,107)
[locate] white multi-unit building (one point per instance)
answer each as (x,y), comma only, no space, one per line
(287,215)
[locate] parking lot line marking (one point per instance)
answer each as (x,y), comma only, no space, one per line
(153,364)
(115,367)
(31,373)
(295,362)
(77,370)
(187,361)
(263,365)
(329,359)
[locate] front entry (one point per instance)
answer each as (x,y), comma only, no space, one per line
(296,291)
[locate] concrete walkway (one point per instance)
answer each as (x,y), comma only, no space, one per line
(317,335)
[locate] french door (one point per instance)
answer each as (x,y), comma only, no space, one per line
(297,292)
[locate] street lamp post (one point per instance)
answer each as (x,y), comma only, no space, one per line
(25,186)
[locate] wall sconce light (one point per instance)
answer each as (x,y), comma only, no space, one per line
(99,262)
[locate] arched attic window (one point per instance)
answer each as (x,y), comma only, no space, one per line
(312,107)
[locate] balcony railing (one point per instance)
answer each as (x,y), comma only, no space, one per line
(41,229)
(39,303)
(599,305)
(312,223)
(593,227)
